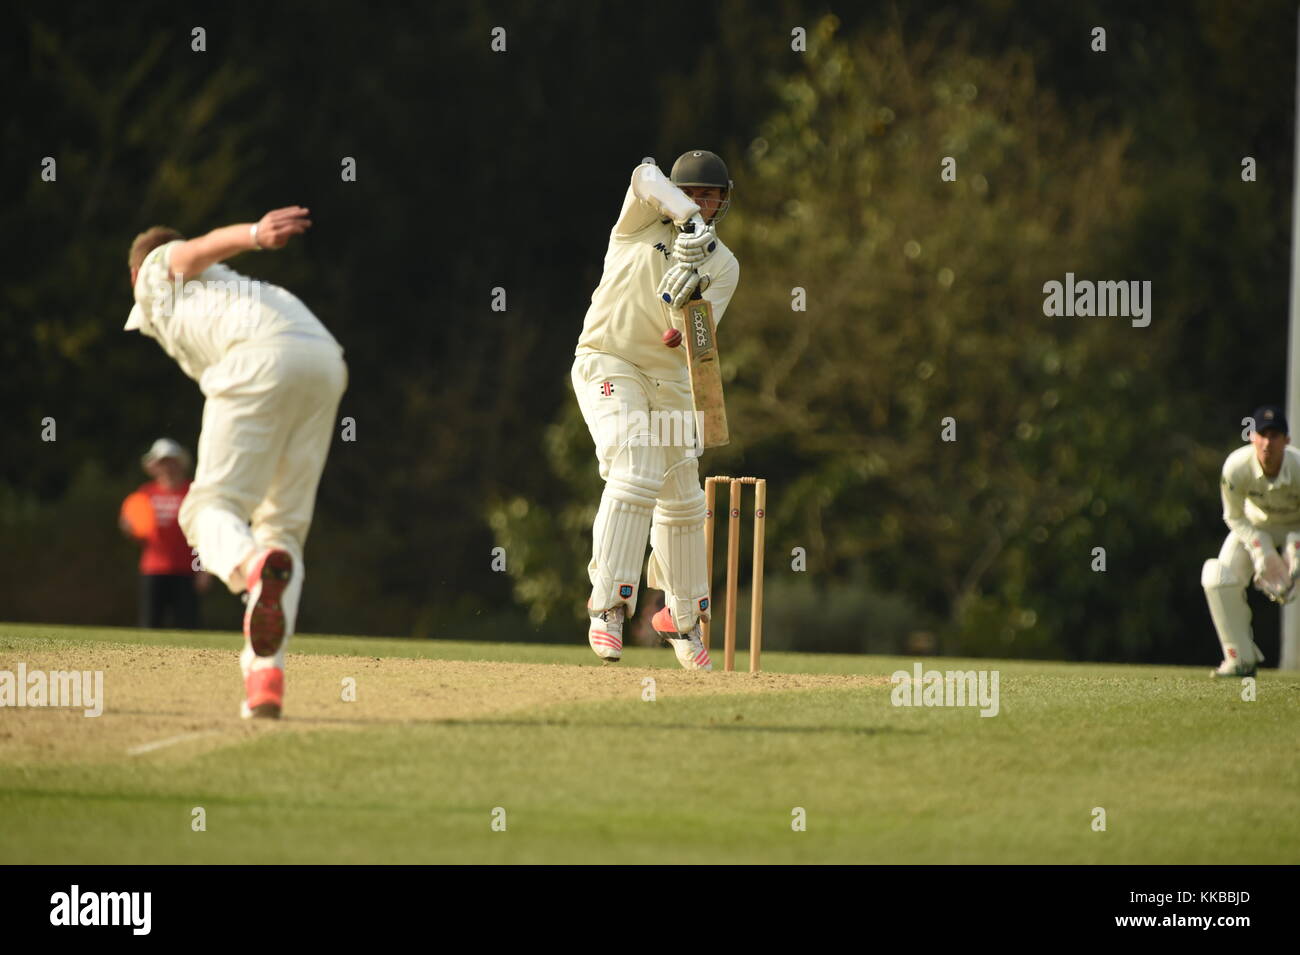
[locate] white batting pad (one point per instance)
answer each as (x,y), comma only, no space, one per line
(677,562)
(619,538)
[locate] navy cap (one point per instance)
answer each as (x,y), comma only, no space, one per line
(1270,416)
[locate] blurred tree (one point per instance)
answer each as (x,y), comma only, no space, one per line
(481,169)
(925,301)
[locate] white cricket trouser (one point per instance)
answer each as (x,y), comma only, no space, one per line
(267,427)
(644,432)
(1225,580)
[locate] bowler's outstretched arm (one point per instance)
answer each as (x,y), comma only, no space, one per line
(272,231)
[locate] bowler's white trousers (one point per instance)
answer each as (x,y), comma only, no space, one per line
(267,426)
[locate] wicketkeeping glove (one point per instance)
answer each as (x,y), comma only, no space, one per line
(1291,554)
(1273,578)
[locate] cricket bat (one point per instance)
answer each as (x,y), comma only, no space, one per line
(705,371)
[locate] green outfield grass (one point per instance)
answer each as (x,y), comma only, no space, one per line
(1186,771)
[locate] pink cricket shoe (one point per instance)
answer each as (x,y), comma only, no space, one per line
(264,691)
(689,647)
(264,624)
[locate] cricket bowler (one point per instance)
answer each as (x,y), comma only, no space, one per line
(628,365)
(272,377)
(1261,506)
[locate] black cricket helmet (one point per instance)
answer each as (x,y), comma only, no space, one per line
(699,167)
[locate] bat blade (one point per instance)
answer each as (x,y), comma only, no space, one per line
(706,373)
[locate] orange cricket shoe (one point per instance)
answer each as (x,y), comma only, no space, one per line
(264,689)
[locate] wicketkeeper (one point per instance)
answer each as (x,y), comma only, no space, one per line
(273,377)
(1261,506)
(664,244)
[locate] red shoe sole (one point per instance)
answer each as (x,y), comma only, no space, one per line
(264,620)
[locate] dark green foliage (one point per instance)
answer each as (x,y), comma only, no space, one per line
(479,170)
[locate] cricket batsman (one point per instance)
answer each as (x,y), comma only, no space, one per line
(1261,506)
(662,250)
(272,377)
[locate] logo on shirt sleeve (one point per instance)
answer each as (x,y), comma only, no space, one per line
(607,388)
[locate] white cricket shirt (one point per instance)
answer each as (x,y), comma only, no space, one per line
(1251,501)
(626,318)
(198,321)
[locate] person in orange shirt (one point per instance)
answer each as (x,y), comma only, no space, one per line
(169,581)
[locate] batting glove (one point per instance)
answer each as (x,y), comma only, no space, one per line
(694,246)
(680,283)
(675,278)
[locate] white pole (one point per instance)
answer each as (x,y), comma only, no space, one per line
(1291,612)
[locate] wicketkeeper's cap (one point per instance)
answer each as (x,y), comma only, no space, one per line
(166,448)
(1270,416)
